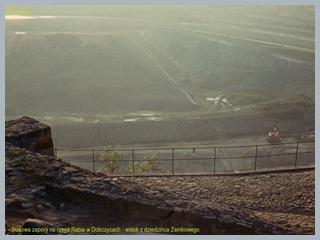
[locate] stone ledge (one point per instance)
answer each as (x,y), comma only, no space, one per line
(30,134)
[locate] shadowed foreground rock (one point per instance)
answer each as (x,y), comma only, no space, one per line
(30,134)
(71,200)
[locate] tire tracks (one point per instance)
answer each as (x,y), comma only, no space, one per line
(189,97)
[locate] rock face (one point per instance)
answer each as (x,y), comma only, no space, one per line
(69,200)
(30,134)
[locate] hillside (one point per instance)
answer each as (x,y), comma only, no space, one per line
(91,67)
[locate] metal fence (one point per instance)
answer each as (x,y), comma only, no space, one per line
(199,160)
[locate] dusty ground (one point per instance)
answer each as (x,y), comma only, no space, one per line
(107,76)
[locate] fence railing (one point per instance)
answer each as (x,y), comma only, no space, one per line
(200,160)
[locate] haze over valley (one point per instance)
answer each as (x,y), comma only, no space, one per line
(157,74)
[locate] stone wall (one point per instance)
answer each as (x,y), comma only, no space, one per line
(48,189)
(30,134)
(37,182)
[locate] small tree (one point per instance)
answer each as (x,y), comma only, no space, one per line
(150,163)
(111,156)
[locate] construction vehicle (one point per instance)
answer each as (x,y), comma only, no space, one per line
(273,136)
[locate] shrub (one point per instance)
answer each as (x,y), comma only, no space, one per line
(149,164)
(112,156)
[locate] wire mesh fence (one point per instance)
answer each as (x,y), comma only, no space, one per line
(195,160)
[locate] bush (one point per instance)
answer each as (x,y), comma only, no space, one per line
(149,164)
(112,156)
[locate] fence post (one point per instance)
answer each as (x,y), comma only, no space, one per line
(132,152)
(172,161)
(93,166)
(214,159)
(297,151)
(255,158)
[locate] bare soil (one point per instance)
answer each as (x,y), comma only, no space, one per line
(165,75)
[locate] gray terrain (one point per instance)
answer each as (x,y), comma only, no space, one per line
(126,75)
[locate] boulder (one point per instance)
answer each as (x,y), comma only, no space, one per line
(34,226)
(30,134)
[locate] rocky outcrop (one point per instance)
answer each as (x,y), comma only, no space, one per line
(70,200)
(30,134)
(34,180)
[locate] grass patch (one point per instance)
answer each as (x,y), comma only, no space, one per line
(17,153)
(247,97)
(21,163)
(34,168)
